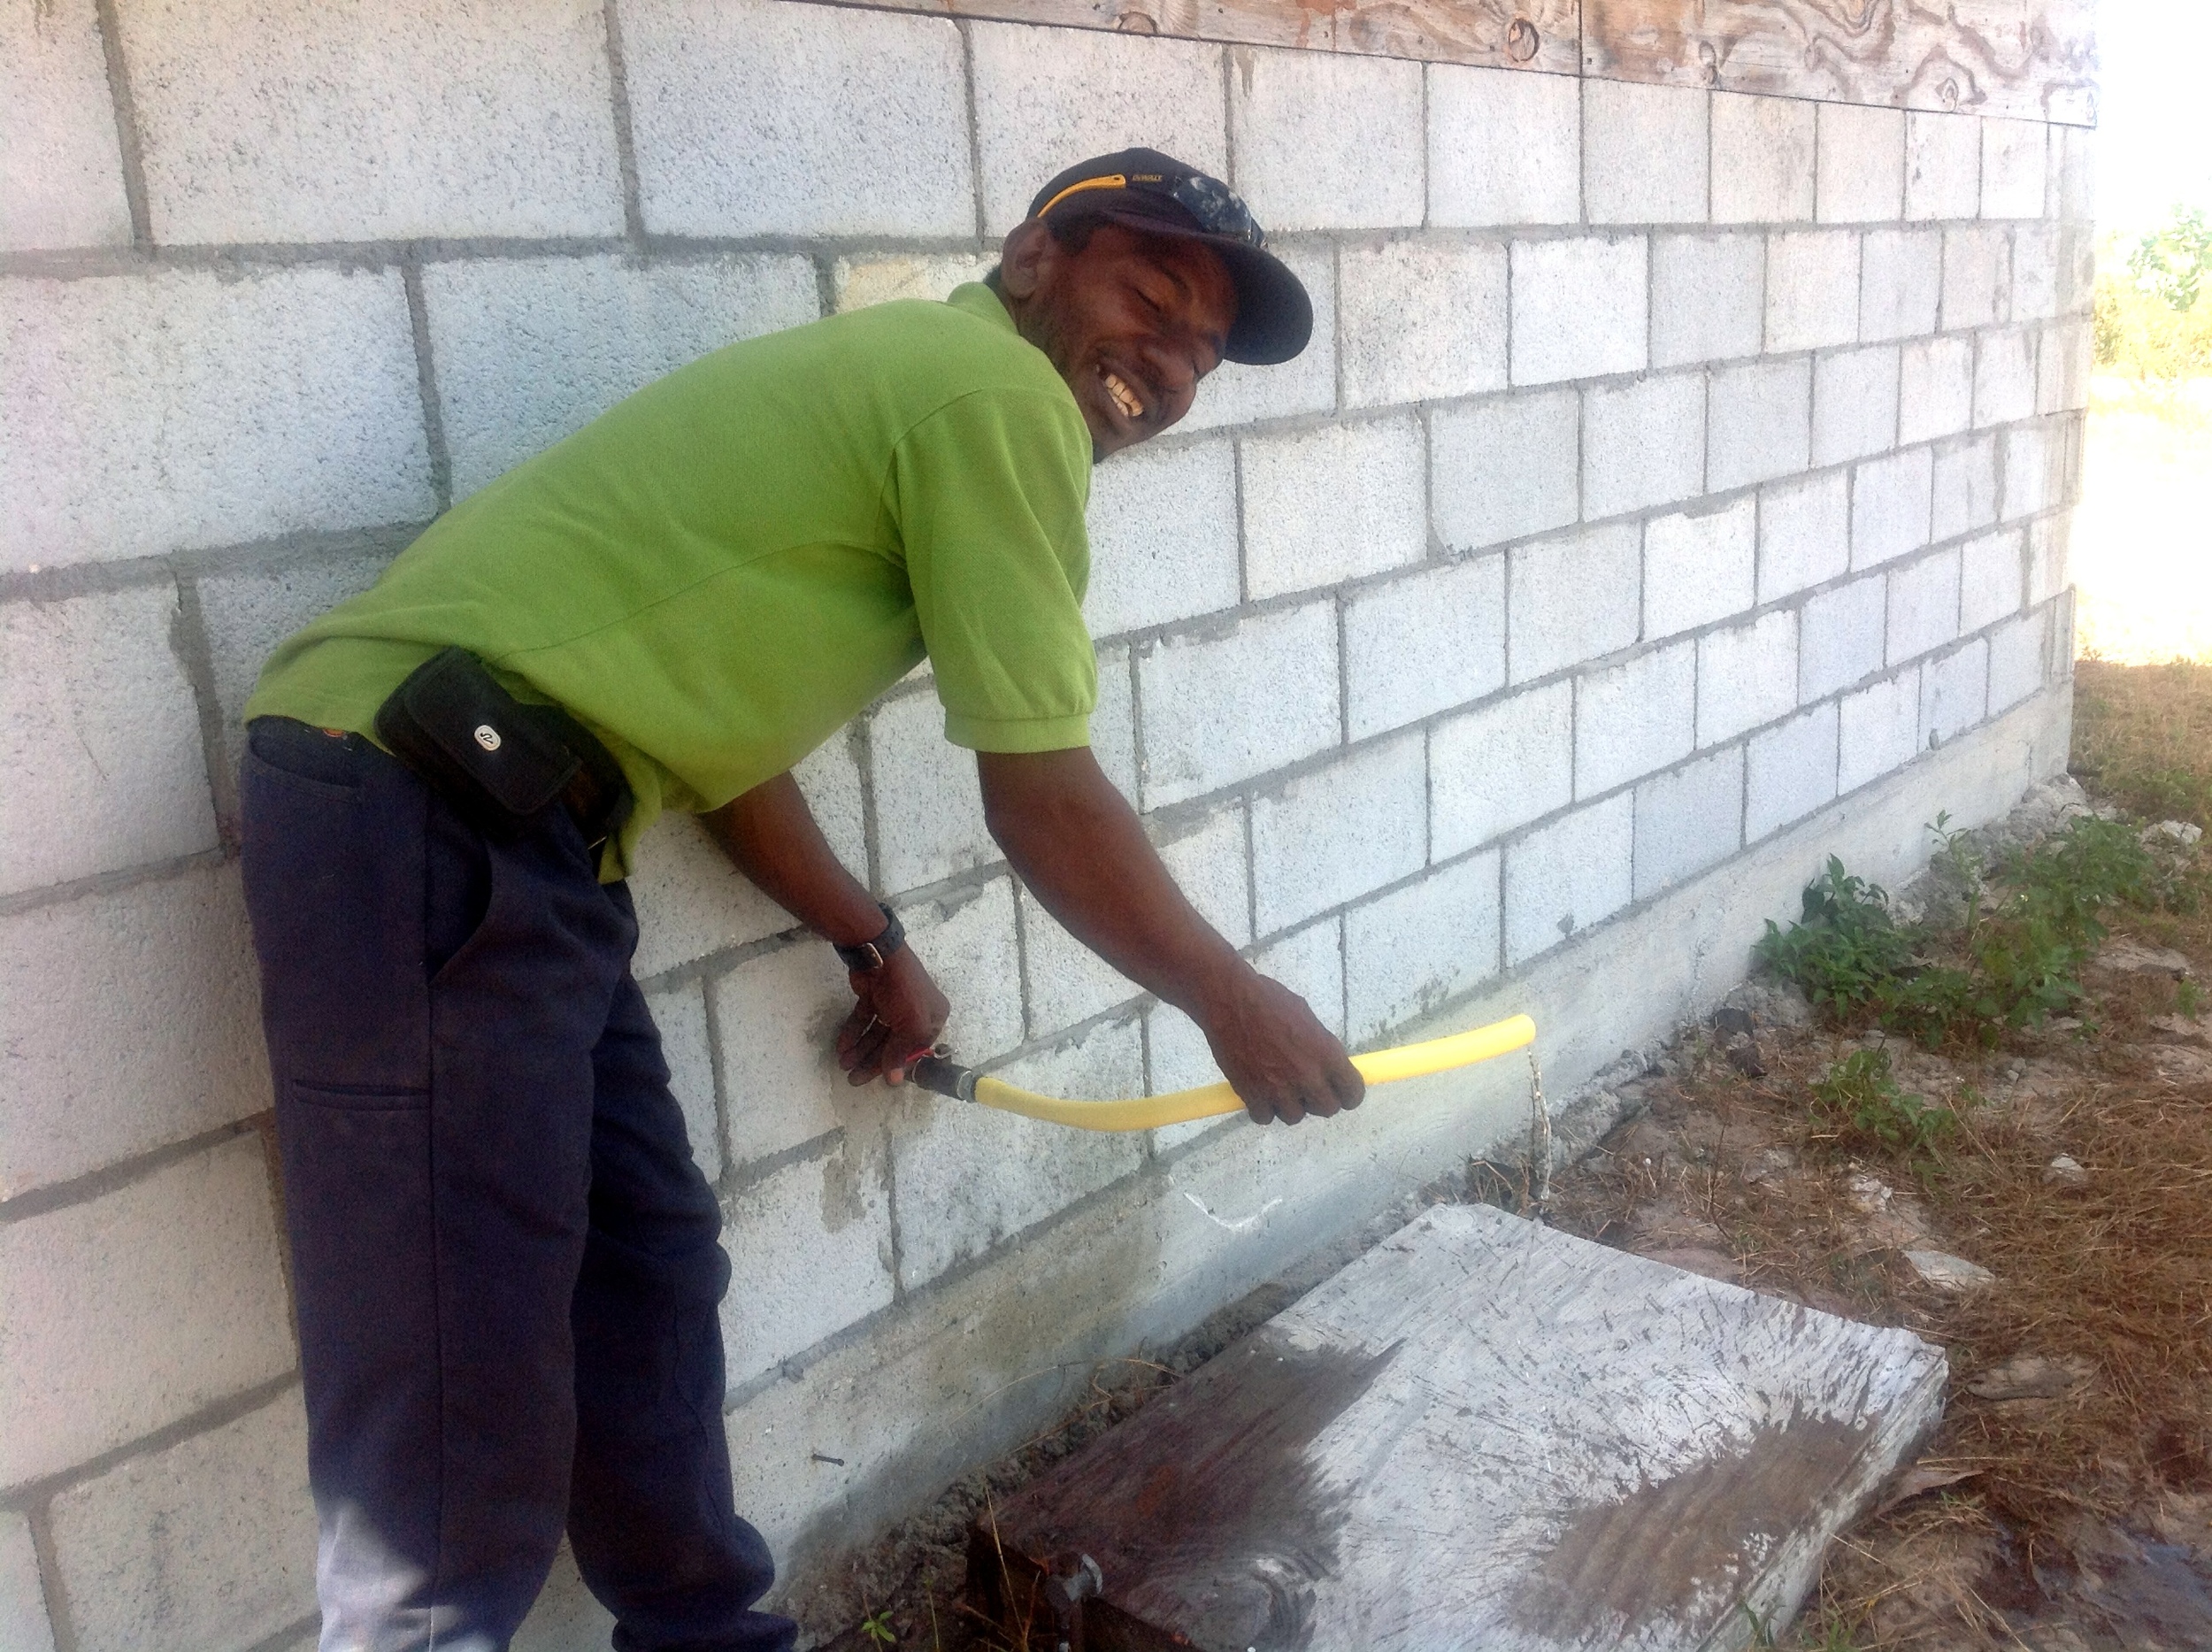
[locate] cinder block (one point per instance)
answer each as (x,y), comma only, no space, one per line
(1762,159)
(1327,141)
(1935,388)
(1234,395)
(2004,377)
(131,1018)
(680,1013)
(207,1543)
(967,939)
(2034,468)
(62,182)
(1645,150)
(1504,148)
(1977,276)
(1574,598)
(1310,963)
(1954,692)
(1879,730)
(1789,772)
(2063,364)
(969,1178)
(1114,721)
(776,1017)
(1840,637)
(1501,766)
(1421,320)
(1423,644)
(1331,835)
(247,612)
(1046,98)
(1804,532)
(1229,704)
(1067,982)
(24,1623)
(1708,297)
(99,738)
(1164,537)
(312,123)
(530,349)
(2049,541)
(1636,718)
(1178,1059)
(1992,582)
(1207,860)
(1943,165)
(1700,565)
(143,414)
(1923,606)
(1579,308)
(2013,162)
(137,1307)
(1891,502)
(1812,289)
(2036,271)
(1411,951)
(1688,820)
(858,282)
(1854,404)
(1745,676)
(1862,164)
(1333,503)
(929,810)
(1901,282)
(691,901)
(2016,650)
(1643,444)
(2072,187)
(1759,418)
(1504,468)
(811,1247)
(1571,875)
(1965,488)
(758,119)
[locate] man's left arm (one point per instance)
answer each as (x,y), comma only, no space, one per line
(772,836)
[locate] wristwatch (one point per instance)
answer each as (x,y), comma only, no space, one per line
(871,955)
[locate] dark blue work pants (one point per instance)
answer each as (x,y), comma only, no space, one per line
(505,1262)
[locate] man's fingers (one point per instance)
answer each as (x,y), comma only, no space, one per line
(1349,1087)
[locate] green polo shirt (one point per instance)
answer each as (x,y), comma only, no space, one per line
(718,573)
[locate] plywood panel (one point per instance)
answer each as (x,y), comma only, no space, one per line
(1483,1435)
(2034,59)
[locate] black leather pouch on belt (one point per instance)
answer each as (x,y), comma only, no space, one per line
(498,760)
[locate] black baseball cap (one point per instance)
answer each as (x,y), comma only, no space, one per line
(1159,195)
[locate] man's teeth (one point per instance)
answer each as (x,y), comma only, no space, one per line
(1123,396)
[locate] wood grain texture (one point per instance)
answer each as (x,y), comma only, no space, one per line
(2033,60)
(1486,1435)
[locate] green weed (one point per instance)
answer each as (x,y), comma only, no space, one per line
(876,1627)
(1858,1099)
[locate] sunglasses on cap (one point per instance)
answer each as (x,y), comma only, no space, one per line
(1213,206)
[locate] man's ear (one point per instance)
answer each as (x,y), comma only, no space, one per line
(1025,257)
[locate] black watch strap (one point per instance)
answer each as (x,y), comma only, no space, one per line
(871,955)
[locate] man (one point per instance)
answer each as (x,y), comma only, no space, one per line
(506,1265)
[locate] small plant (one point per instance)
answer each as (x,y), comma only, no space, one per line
(1859,1099)
(2188,999)
(1844,947)
(876,1627)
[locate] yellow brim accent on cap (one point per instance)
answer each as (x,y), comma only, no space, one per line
(1111,180)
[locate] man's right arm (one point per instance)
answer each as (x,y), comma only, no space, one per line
(1080,848)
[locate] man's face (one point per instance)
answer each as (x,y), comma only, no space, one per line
(1132,322)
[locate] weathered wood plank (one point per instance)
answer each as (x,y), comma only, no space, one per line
(2034,59)
(1540,34)
(1486,1435)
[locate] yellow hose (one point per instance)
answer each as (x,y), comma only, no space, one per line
(1211,1101)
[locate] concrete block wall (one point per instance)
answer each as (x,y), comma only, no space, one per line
(1673,477)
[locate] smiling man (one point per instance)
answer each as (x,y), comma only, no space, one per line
(506,1265)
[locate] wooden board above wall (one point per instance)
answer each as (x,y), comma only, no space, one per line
(2034,59)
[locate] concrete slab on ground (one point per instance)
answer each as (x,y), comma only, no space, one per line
(1486,1434)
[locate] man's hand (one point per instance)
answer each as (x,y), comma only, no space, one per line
(1282,1063)
(899,1015)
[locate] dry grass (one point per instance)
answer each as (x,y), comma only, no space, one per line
(2143,737)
